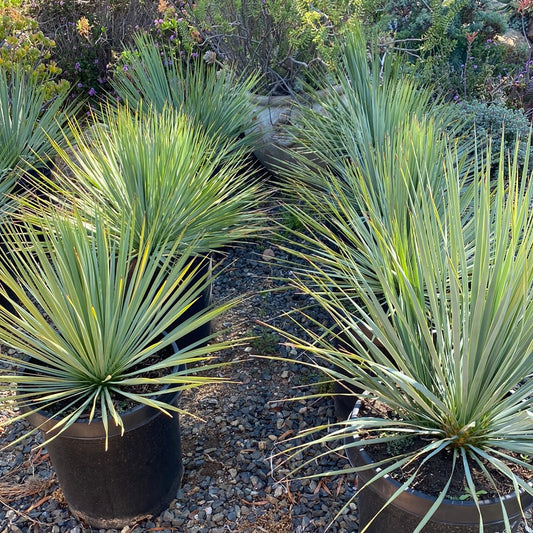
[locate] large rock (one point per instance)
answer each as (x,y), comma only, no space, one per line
(513,39)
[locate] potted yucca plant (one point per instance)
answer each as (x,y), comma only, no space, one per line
(30,119)
(340,213)
(381,119)
(164,174)
(377,144)
(448,389)
(97,367)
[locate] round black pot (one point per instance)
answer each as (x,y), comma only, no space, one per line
(345,394)
(344,398)
(407,510)
(205,265)
(136,478)
(30,181)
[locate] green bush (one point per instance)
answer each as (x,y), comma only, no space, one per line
(24,46)
(286,41)
(498,122)
(452,44)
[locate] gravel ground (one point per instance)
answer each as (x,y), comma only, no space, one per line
(233,481)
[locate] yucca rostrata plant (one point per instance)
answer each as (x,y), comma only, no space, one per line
(376,144)
(30,120)
(165,175)
(217,99)
(96,366)
(447,370)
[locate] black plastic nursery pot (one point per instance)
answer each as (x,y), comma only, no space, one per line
(345,394)
(205,266)
(136,478)
(344,397)
(30,181)
(407,510)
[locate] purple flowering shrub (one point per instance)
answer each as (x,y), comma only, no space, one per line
(90,36)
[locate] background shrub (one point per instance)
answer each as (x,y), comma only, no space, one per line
(498,122)
(287,42)
(23,45)
(90,36)
(453,44)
